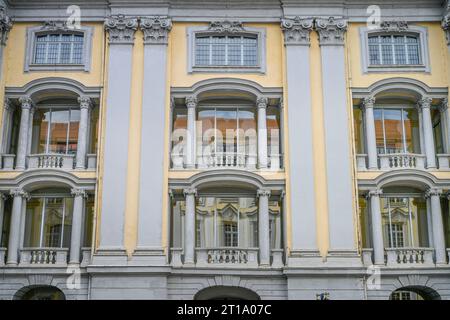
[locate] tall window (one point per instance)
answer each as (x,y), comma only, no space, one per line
(394,50)
(49,222)
(59,48)
(437,131)
(226,50)
(359,130)
(227,221)
(58,130)
(397,130)
(404,222)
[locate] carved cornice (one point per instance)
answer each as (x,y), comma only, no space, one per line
(5,26)
(121,29)
(84,102)
(297,31)
(394,26)
(331,31)
(261,102)
(191,102)
(156,29)
(26,102)
(226,26)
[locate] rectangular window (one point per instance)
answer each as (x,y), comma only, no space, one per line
(394,50)
(59,48)
(231,51)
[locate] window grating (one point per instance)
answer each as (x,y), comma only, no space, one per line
(59,49)
(394,50)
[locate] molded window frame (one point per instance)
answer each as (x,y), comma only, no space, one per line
(34,32)
(420,32)
(259,33)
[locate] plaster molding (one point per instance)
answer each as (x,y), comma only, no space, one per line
(191,102)
(394,26)
(156,29)
(433,192)
(26,102)
(331,31)
(121,29)
(5,26)
(226,26)
(297,31)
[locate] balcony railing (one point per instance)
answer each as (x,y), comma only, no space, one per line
(409,256)
(401,161)
(227,255)
(49,161)
(44,256)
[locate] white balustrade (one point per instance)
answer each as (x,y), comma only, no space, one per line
(44,256)
(409,256)
(53,161)
(227,255)
(401,161)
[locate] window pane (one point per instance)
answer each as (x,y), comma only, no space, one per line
(378,116)
(234,51)
(359,130)
(59,49)
(227,222)
(206,117)
(33,222)
(218,50)
(43,130)
(412,132)
(275,224)
(248,223)
(53,227)
(374,51)
(177,223)
(58,131)
(437,131)
(393,130)
(202,50)
(73,132)
(250,51)
(400,49)
(273,131)
(226,121)
(247,132)
(413,50)
(206,210)
(386,50)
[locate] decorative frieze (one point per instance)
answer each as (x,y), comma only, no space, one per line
(5,26)
(156,29)
(331,31)
(297,31)
(226,26)
(121,29)
(394,26)
(55,25)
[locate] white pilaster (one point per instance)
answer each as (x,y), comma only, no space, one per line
(150,248)
(339,162)
(371,142)
(263,224)
(377,227)
(261,104)
(425,104)
(8,111)
(14,230)
(191,104)
(438,225)
(77,225)
(22,147)
(298,109)
(85,105)
(445,120)
(121,32)
(189,226)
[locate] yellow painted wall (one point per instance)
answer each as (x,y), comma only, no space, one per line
(437,49)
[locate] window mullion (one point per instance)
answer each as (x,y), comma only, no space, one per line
(394,58)
(411,238)
(68,132)
(62,223)
(390,223)
(42,223)
(48,131)
(380,46)
(406,49)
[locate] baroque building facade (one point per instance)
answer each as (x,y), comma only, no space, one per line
(177,149)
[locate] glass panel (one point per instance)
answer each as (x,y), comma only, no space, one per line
(94,130)
(275,224)
(437,131)
(89,221)
(226,122)
(58,131)
(227,222)
(43,129)
(359,130)
(413,50)
(234,51)
(446,220)
(365,222)
(32,235)
(205,215)
(374,50)
(273,131)
(412,132)
(202,46)
(248,221)
(386,50)
(53,228)
(379,130)
(73,131)
(393,131)
(178,213)
(250,51)
(218,47)
(59,49)
(247,132)
(207,119)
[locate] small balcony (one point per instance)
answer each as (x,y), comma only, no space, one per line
(49,161)
(404,257)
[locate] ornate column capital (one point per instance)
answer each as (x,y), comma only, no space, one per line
(446,27)
(85,102)
(261,102)
(5,26)
(26,102)
(121,29)
(3,196)
(444,105)
(374,193)
(156,29)
(297,31)
(191,101)
(433,192)
(18,192)
(263,193)
(424,103)
(331,31)
(76,192)
(190,191)
(8,104)
(368,102)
